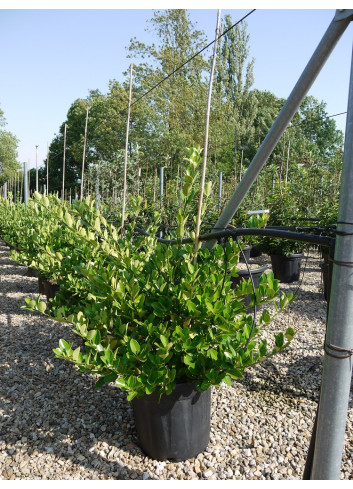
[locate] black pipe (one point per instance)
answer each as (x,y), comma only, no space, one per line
(274,233)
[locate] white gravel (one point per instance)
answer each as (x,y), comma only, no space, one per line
(55,425)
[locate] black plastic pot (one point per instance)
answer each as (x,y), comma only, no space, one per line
(177,428)
(245,275)
(31,272)
(246,253)
(255,251)
(286,268)
(45,287)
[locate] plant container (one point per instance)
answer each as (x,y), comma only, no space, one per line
(246,254)
(245,275)
(255,251)
(46,287)
(176,428)
(287,268)
(31,272)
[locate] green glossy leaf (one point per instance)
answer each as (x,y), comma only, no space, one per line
(134,346)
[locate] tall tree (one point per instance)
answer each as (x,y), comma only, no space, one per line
(237,103)
(179,102)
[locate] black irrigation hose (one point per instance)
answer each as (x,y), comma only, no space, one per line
(269,232)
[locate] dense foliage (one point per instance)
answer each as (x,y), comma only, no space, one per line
(151,315)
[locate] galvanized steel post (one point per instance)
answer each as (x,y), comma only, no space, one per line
(337,367)
(25,183)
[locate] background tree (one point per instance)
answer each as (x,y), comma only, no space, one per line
(8,152)
(179,102)
(237,104)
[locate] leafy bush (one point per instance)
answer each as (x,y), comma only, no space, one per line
(154,315)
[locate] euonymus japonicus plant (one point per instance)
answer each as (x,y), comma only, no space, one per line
(41,240)
(153,317)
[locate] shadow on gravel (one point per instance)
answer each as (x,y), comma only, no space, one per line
(302,380)
(48,407)
(19,272)
(8,262)
(51,408)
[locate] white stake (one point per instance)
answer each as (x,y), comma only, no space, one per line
(63,189)
(84,153)
(203,174)
(126,149)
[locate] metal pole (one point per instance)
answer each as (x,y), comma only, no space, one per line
(29,178)
(337,366)
(37,167)
(317,61)
(84,154)
(25,183)
(47,168)
(220,191)
(126,147)
(63,187)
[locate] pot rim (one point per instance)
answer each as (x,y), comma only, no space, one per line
(292,255)
(252,271)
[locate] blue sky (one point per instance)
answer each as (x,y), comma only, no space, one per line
(52,57)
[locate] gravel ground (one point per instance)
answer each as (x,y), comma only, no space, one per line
(55,425)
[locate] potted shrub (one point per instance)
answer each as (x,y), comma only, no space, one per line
(164,324)
(286,255)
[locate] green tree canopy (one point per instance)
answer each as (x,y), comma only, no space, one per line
(8,152)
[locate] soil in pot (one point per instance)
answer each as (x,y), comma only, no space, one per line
(178,427)
(286,268)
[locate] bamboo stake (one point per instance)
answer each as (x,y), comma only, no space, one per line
(203,174)
(84,153)
(126,148)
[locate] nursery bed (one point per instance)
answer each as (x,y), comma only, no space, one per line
(55,425)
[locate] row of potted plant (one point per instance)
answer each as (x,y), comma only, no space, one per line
(162,322)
